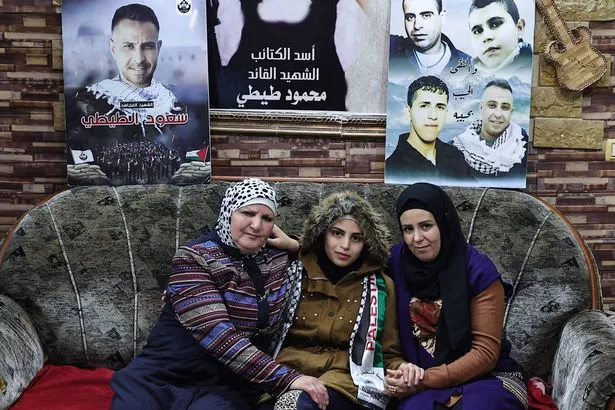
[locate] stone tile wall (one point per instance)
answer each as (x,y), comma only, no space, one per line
(576,179)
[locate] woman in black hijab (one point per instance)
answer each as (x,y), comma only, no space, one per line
(451,306)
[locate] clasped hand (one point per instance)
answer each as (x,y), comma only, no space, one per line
(403,381)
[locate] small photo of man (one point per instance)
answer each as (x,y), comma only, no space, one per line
(494,146)
(134,44)
(425,50)
(420,155)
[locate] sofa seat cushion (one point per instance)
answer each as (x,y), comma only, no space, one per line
(67,388)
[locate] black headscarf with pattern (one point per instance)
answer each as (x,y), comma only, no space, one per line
(443,278)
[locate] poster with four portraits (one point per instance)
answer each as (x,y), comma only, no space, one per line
(136,92)
(459,87)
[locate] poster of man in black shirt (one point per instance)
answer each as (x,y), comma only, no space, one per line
(318,55)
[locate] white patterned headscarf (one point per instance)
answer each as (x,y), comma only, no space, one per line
(247,192)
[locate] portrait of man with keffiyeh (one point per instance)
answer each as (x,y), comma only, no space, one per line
(487,121)
(133,127)
(494,146)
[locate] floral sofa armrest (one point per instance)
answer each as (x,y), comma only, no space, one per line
(21,352)
(584,364)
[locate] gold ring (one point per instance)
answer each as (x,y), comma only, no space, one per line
(392,389)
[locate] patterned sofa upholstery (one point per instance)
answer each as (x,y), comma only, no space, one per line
(88,265)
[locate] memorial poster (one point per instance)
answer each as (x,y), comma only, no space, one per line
(459,87)
(136,92)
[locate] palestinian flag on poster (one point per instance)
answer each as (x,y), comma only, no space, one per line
(197,155)
(81,157)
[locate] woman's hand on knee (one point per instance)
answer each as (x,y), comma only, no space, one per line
(315,388)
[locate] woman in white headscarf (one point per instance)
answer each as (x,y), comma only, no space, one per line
(226,295)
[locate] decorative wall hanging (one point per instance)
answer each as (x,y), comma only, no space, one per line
(577,62)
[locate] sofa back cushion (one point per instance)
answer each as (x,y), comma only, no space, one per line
(89,264)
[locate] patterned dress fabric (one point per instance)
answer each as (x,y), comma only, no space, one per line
(89,266)
(424,316)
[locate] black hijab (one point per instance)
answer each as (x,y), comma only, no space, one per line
(445,277)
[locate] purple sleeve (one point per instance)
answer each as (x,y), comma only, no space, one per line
(481,271)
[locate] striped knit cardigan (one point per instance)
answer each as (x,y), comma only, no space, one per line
(215,300)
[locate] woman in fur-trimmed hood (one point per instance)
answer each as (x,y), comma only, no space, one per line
(341,204)
(341,325)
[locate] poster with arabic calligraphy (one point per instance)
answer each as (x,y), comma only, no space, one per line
(459,88)
(327,55)
(136,92)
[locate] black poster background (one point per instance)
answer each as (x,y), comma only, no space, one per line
(296,55)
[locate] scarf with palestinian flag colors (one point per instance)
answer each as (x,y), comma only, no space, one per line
(366,358)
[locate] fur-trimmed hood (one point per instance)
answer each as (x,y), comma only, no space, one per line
(337,205)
